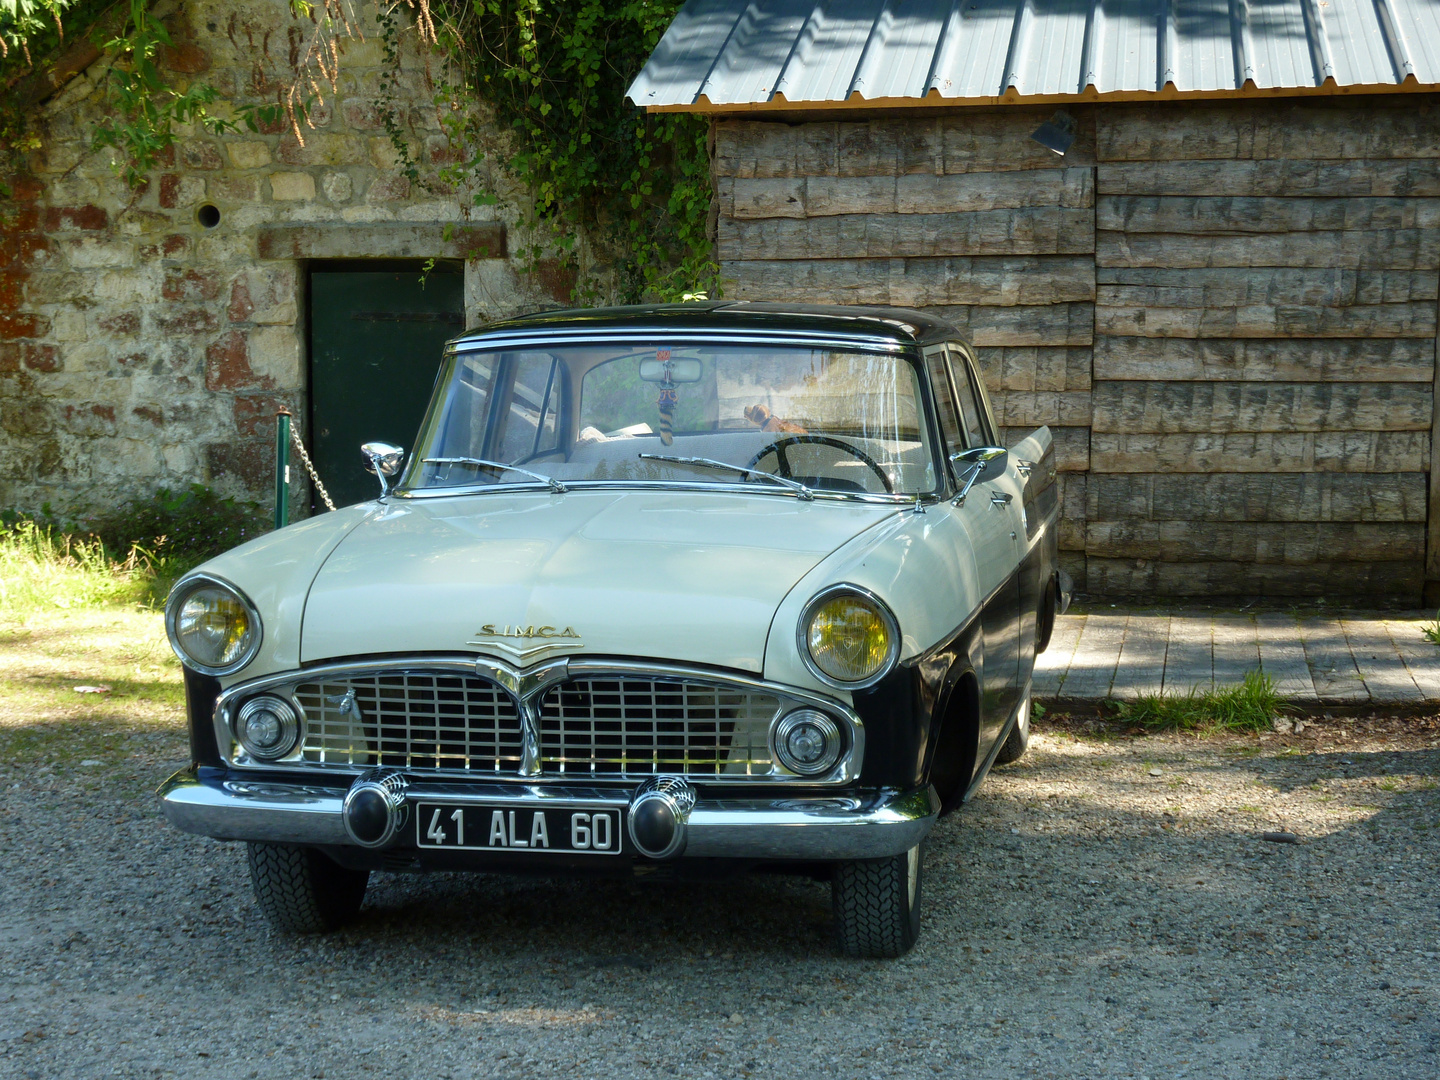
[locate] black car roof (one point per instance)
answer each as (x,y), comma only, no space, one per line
(902,326)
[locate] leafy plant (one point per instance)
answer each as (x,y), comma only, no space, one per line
(1432,630)
(1250,706)
(147,108)
(556,73)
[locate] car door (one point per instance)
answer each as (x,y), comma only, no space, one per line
(990,515)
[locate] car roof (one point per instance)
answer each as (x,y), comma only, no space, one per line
(896,326)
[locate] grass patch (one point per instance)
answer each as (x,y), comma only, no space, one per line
(42,569)
(1250,706)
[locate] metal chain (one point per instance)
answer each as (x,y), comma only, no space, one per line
(309,468)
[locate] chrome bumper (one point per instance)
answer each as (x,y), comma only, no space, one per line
(830,827)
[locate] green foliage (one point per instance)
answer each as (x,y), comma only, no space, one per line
(1251,706)
(179,530)
(147,108)
(556,74)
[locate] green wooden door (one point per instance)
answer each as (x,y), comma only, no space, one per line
(375,344)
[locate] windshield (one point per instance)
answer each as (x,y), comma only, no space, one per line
(831,421)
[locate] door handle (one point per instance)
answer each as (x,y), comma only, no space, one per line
(1023,467)
(1000,498)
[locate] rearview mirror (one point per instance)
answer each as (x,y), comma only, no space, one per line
(977,465)
(382,459)
(683,370)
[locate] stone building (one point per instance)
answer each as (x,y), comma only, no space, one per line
(1221,298)
(147,338)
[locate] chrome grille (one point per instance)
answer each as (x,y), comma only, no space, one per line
(635,726)
(412,720)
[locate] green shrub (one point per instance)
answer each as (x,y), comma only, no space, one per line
(179,530)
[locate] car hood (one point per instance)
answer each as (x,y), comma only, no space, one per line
(683,576)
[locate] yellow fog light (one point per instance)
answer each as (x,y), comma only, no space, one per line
(211,626)
(848,638)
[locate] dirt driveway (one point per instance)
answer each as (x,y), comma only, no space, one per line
(1107,908)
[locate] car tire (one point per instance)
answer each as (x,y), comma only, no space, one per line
(877,904)
(1046,616)
(1018,740)
(302,891)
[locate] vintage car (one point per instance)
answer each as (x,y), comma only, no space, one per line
(702,586)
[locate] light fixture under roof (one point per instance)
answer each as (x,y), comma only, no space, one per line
(1057,133)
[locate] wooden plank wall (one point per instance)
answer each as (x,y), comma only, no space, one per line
(964,216)
(1264,351)
(1226,312)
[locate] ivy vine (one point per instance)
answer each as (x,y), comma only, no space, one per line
(555,72)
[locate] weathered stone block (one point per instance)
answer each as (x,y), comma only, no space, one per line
(190,286)
(227,364)
(275,356)
(292,186)
(201,154)
(338,187)
(188,321)
(22,326)
(58,218)
(248,155)
(236,189)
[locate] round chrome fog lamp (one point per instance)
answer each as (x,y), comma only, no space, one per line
(659,812)
(806,742)
(267,727)
(375,809)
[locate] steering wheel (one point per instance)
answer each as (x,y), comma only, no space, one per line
(783,464)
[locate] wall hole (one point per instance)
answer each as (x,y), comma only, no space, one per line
(208,215)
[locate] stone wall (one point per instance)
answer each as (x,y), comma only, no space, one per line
(1225,311)
(140,348)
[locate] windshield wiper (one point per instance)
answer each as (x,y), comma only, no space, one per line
(710,463)
(554,485)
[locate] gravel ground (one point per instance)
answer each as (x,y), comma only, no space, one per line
(1106,908)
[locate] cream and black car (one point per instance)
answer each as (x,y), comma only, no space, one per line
(715,584)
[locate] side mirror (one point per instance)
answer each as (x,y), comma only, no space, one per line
(978,464)
(384,460)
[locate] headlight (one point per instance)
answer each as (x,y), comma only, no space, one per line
(848,638)
(211,626)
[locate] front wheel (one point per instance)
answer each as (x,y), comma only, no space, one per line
(877,904)
(302,891)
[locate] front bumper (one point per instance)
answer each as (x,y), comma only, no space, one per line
(830,827)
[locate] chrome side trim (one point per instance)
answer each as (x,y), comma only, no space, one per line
(527,686)
(868,826)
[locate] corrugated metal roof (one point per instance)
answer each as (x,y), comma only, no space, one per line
(721,53)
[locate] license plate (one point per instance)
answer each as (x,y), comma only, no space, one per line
(569,830)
